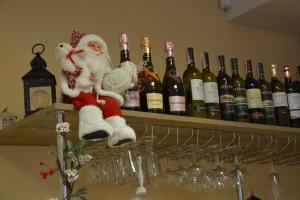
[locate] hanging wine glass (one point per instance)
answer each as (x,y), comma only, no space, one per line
(220,175)
(141,192)
(276,186)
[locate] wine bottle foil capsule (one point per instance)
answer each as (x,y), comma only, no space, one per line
(169,48)
(124,41)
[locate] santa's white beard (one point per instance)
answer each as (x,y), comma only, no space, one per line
(97,63)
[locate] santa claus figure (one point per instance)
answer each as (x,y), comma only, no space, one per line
(90,83)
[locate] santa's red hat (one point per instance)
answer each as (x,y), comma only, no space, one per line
(79,39)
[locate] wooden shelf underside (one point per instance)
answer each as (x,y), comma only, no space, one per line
(38,129)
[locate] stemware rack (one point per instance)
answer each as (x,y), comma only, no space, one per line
(251,142)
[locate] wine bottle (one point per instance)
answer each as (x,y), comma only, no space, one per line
(226,92)
(293,95)
(279,99)
(149,82)
(239,92)
(193,85)
(132,96)
(211,93)
(173,89)
(254,99)
(266,94)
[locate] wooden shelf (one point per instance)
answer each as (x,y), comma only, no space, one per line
(38,129)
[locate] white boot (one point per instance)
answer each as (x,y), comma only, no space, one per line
(92,126)
(122,133)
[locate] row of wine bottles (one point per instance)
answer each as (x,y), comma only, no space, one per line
(204,95)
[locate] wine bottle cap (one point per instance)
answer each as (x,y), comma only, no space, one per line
(287,73)
(169,48)
(145,44)
(274,70)
(123,41)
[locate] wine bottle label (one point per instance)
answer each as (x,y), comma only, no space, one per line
(294,101)
(211,93)
(242,110)
(267,103)
(256,115)
(211,108)
(132,99)
(295,114)
(269,112)
(154,101)
(240,101)
(268,108)
(177,103)
(254,98)
(197,89)
(279,99)
(241,106)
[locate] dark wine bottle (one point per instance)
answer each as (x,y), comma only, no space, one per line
(132,96)
(193,85)
(239,92)
(293,95)
(254,99)
(173,89)
(225,92)
(280,99)
(149,83)
(211,93)
(266,93)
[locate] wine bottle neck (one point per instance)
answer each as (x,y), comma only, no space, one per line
(234,67)
(249,68)
(287,75)
(274,72)
(170,63)
(221,60)
(147,59)
(261,72)
(190,58)
(124,55)
(205,61)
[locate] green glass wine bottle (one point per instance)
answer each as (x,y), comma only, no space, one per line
(149,82)
(279,99)
(211,93)
(193,85)
(266,94)
(239,92)
(173,89)
(254,99)
(132,96)
(226,92)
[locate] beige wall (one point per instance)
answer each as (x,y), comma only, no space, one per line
(188,23)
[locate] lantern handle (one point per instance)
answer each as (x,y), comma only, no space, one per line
(38,44)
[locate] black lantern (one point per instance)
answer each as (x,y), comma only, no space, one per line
(39,84)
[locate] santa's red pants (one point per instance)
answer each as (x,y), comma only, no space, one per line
(109,108)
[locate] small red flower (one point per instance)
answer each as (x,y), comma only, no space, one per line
(51,171)
(44,173)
